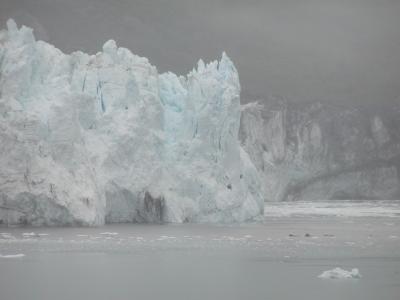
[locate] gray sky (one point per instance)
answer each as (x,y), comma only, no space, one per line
(330,50)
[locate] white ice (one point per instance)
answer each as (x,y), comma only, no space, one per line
(104,138)
(335,208)
(338,273)
(12,255)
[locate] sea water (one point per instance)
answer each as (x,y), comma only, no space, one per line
(278,258)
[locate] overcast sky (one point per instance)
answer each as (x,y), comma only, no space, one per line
(330,50)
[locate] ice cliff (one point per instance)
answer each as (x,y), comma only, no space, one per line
(317,151)
(92,139)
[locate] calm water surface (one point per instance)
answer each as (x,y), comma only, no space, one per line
(279,258)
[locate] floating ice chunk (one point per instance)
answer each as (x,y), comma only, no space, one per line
(28,234)
(12,255)
(7,236)
(109,233)
(165,237)
(338,273)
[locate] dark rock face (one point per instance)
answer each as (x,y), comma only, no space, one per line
(122,206)
(153,208)
(319,151)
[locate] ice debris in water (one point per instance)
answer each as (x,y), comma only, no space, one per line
(25,234)
(339,273)
(104,138)
(12,255)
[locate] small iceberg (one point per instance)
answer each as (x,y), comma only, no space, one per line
(12,255)
(30,234)
(339,273)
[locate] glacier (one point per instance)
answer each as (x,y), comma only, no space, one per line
(94,139)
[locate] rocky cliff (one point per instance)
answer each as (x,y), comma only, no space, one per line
(321,151)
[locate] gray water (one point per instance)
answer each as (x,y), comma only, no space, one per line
(279,258)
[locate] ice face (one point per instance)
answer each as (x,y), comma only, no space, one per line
(89,139)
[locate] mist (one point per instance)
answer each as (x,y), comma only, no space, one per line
(331,51)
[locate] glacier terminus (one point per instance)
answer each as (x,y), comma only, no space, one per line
(94,139)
